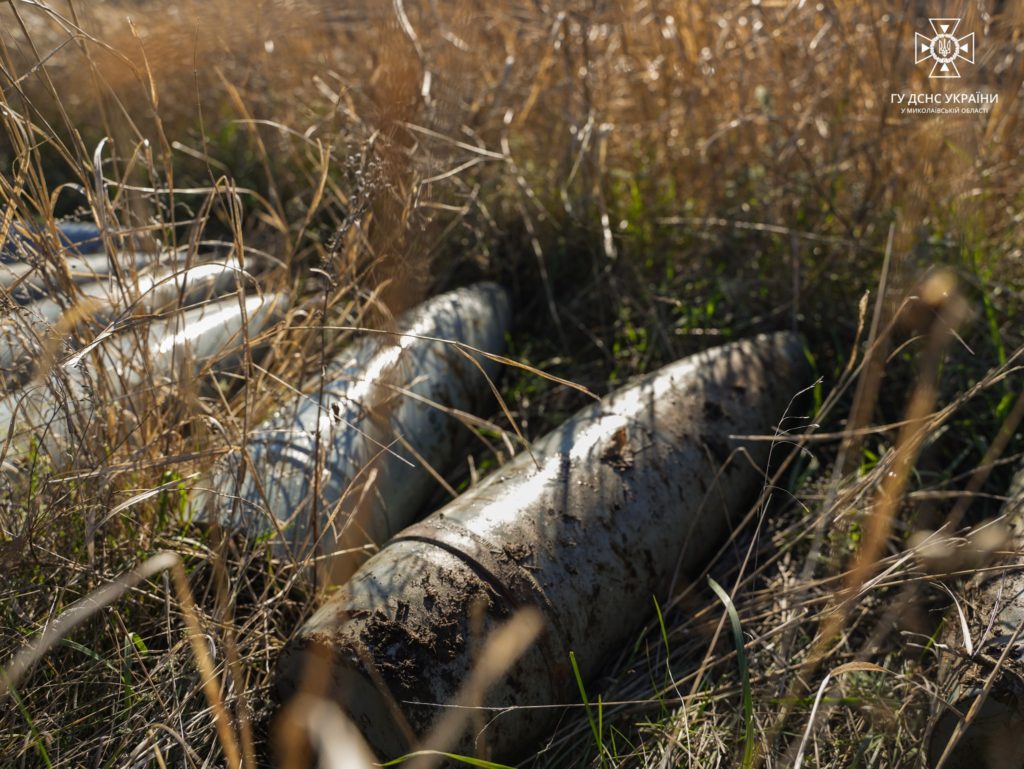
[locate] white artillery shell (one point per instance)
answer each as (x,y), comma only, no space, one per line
(53,412)
(23,331)
(342,470)
(626,493)
(25,282)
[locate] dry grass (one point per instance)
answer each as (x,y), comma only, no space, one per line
(649,178)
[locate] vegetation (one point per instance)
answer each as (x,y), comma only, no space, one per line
(649,179)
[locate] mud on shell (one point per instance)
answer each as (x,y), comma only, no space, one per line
(629,494)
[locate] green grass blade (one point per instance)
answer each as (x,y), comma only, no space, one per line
(741,657)
(664,640)
(478,762)
(594,726)
(37,741)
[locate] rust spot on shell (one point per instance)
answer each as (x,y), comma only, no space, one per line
(618,453)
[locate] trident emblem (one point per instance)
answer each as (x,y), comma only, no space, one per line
(944,48)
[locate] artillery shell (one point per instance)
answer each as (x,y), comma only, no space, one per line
(346,466)
(80,237)
(53,412)
(23,279)
(22,330)
(623,495)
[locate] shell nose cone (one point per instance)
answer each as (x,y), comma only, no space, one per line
(789,346)
(494,296)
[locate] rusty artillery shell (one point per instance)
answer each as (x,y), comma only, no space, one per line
(54,411)
(344,468)
(993,608)
(623,495)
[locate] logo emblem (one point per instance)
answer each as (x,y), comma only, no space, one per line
(944,47)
